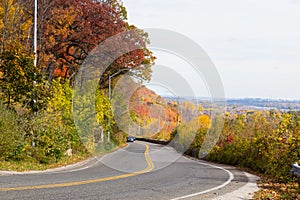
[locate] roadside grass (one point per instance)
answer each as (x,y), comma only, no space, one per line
(23,166)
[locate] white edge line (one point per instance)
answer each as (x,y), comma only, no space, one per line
(63,169)
(89,166)
(231,177)
(79,169)
(250,188)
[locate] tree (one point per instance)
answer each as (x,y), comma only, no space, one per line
(118,6)
(75,27)
(15,24)
(20,81)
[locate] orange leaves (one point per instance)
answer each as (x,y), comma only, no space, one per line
(61,72)
(152,110)
(75,27)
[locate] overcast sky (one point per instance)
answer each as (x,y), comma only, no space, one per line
(254,44)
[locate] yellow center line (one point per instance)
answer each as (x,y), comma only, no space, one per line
(149,168)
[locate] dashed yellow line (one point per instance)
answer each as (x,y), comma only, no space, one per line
(149,168)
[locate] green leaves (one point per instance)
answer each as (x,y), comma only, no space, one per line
(68,31)
(21,82)
(11,134)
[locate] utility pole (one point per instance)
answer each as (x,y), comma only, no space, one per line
(35,31)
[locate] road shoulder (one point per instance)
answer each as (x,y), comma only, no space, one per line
(242,186)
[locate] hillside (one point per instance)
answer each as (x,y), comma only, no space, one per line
(156,116)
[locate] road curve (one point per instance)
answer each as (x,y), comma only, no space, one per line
(138,171)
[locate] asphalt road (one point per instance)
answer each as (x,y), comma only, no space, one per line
(139,171)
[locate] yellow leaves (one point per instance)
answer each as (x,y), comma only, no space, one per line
(189,106)
(217,148)
(204,122)
(14,23)
(60,24)
(200,108)
(61,100)
(267,142)
(1,24)
(253,139)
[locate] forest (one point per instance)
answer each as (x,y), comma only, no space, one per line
(37,124)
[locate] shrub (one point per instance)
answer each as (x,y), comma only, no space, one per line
(267,142)
(11,135)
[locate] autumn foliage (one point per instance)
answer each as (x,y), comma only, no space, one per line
(159,116)
(72,29)
(40,97)
(264,141)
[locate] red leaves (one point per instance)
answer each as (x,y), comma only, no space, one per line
(76,27)
(229,139)
(151,108)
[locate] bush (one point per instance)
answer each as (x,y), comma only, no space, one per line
(49,133)
(11,135)
(267,142)
(45,135)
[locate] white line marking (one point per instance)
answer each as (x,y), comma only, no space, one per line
(231,177)
(63,169)
(85,182)
(245,192)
